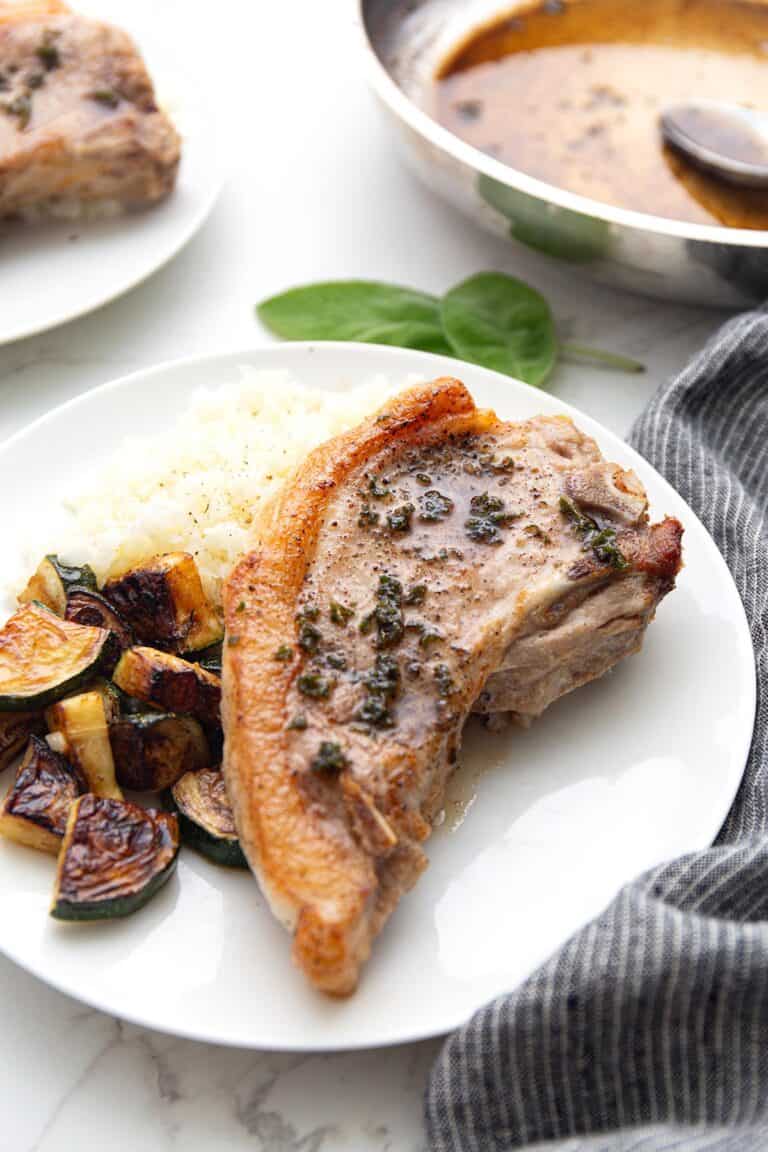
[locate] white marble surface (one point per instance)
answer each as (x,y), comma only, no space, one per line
(315,192)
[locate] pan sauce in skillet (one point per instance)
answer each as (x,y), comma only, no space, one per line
(570,91)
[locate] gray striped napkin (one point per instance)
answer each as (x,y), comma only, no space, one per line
(649,1029)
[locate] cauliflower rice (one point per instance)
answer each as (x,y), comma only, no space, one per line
(201,486)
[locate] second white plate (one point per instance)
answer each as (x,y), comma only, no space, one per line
(542,826)
(56,271)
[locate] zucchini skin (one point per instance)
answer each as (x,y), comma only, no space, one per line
(87,606)
(205,816)
(36,809)
(209,658)
(15,730)
(152,750)
(104,842)
(34,642)
(51,583)
(115,909)
(226,853)
(71,575)
(168,682)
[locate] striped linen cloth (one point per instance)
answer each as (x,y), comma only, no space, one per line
(648,1031)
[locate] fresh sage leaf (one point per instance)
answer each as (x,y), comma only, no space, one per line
(363,310)
(586,354)
(500,323)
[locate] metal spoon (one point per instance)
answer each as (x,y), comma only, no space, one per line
(729,141)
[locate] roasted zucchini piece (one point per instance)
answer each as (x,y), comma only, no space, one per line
(169,682)
(15,730)
(152,750)
(86,606)
(43,658)
(52,581)
(111,697)
(83,722)
(164,603)
(114,857)
(205,817)
(36,809)
(208,658)
(127,705)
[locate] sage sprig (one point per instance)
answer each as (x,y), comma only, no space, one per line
(490,319)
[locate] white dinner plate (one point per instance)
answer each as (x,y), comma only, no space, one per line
(56,271)
(543,826)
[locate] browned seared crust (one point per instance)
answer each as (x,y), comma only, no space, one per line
(334,851)
(328,876)
(78,115)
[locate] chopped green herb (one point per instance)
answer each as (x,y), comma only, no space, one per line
(601,541)
(416,595)
(309,636)
(429,636)
(381,683)
(329,758)
(424,478)
(313,684)
(374,711)
(368,623)
(488,515)
(336,660)
(389,611)
(339,613)
(536,532)
(444,680)
(433,505)
(284,653)
(379,488)
(105,96)
(241,606)
(47,52)
(298,722)
(21,108)
(399,519)
(368,517)
(384,678)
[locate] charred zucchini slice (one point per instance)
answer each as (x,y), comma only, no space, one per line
(205,817)
(83,722)
(114,857)
(169,682)
(208,658)
(42,658)
(52,581)
(15,730)
(153,749)
(86,606)
(164,603)
(37,806)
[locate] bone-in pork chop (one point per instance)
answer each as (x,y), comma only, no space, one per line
(79,124)
(433,557)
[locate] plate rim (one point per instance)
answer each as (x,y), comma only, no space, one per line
(416,358)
